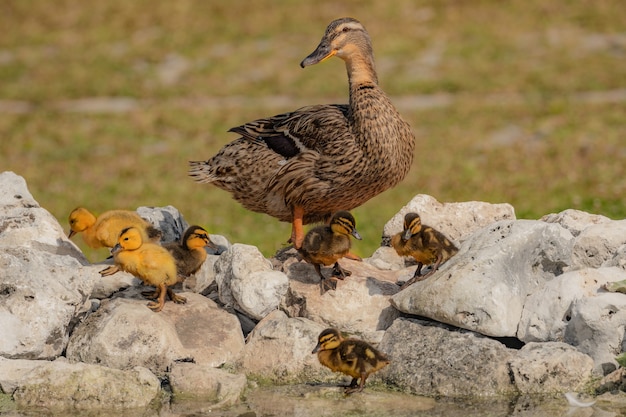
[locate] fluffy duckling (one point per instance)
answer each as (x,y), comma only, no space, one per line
(325,245)
(105,230)
(304,165)
(427,245)
(352,357)
(189,252)
(150,262)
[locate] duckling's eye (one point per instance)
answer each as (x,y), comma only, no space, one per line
(345,29)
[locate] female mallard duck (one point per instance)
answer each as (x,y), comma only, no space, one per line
(352,357)
(105,230)
(425,244)
(150,262)
(189,252)
(325,245)
(302,166)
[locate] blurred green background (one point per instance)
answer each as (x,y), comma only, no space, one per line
(103,103)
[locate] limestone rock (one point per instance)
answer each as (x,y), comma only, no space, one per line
(598,243)
(552,367)
(12,371)
(124,333)
(61,385)
(547,311)
(279,350)
(575,220)
(455,220)
(206,383)
(359,305)
(167,219)
(428,359)
(484,287)
(44,282)
(247,282)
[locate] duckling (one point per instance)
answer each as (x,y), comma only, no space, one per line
(304,165)
(105,230)
(325,245)
(189,252)
(150,262)
(352,357)
(425,244)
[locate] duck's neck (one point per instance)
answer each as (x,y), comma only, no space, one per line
(361,71)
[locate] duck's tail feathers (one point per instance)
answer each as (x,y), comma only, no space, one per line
(200,171)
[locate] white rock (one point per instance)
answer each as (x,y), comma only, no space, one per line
(575,220)
(484,287)
(547,311)
(12,371)
(247,282)
(44,282)
(598,243)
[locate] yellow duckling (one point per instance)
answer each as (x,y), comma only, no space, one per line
(427,245)
(150,262)
(325,245)
(352,357)
(304,165)
(189,252)
(105,230)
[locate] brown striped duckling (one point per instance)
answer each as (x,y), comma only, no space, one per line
(189,252)
(425,244)
(325,245)
(352,357)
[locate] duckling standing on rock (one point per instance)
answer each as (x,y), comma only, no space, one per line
(425,244)
(302,166)
(352,357)
(189,253)
(325,245)
(150,262)
(105,230)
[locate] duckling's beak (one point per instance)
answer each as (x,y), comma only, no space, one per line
(317,348)
(407,235)
(70,234)
(321,54)
(356,235)
(116,249)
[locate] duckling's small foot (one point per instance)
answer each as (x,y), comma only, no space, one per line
(176,298)
(349,390)
(109,271)
(353,256)
(155,306)
(339,272)
(152,295)
(327,284)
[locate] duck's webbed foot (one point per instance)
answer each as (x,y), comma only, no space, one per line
(354,387)
(152,295)
(109,271)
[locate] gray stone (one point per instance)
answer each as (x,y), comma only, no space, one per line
(206,383)
(61,385)
(598,244)
(124,333)
(429,359)
(167,219)
(549,368)
(575,220)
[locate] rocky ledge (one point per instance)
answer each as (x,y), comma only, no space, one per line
(525,307)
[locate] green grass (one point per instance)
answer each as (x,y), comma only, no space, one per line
(516,129)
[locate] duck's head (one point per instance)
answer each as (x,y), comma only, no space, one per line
(80,219)
(343,223)
(327,340)
(412,225)
(196,237)
(343,38)
(130,239)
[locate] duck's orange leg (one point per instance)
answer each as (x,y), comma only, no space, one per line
(297,229)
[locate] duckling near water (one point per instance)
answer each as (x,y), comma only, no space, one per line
(325,245)
(425,244)
(304,165)
(189,252)
(105,230)
(352,357)
(150,262)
